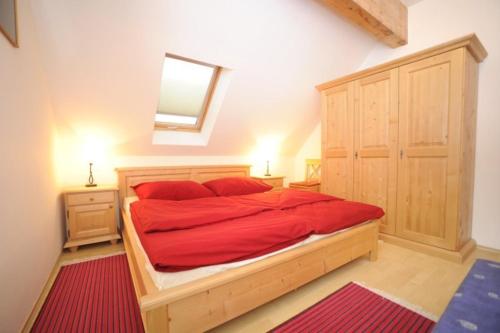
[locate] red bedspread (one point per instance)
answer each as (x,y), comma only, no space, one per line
(282,199)
(165,215)
(193,233)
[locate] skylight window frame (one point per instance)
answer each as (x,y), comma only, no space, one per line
(197,127)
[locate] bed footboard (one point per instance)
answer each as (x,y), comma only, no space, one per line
(206,303)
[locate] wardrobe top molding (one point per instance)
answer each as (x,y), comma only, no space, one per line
(471,42)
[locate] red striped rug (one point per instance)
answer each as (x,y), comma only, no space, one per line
(91,296)
(356,309)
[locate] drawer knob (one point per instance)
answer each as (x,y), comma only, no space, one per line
(91,199)
(110,206)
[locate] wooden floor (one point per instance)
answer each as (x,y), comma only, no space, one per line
(420,279)
(414,277)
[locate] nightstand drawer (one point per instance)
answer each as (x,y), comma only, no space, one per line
(314,188)
(91,215)
(91,198)
(275,183)
(311,186)
(91,220)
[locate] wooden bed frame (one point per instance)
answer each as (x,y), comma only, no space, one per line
(208,302)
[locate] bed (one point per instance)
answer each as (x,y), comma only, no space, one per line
(208,301)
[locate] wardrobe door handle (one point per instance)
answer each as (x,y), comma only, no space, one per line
(401,154)
(356,154)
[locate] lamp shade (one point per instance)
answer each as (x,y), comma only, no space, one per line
(266,152)
(93,150)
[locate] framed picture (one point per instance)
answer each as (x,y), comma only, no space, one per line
(8,20)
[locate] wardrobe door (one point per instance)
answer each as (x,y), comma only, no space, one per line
(375,144)
(429,124)
(337,141)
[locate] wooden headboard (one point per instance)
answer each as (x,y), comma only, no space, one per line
(128,177)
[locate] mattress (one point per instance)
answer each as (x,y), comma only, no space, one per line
(164,280)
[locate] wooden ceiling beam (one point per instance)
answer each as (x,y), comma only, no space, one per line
(387,20)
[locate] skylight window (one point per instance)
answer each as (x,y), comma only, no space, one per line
(186,90)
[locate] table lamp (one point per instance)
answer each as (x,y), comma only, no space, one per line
(91,177)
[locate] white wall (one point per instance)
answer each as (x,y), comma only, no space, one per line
(310,149)
(30,223)
(281,165)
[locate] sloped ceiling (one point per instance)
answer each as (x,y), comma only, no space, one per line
(104,62)
(410,2)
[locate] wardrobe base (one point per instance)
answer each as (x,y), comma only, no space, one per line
(456,256)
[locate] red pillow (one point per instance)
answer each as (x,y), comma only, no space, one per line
(172,190)
(237,186)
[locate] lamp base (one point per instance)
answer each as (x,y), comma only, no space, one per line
(90,185)
(267,174)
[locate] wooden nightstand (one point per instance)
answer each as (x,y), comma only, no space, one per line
(308,185)
(275,181)
(91,215)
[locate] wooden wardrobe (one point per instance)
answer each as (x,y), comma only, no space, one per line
(401,135)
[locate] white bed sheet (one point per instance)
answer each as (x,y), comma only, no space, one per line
(164,280)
